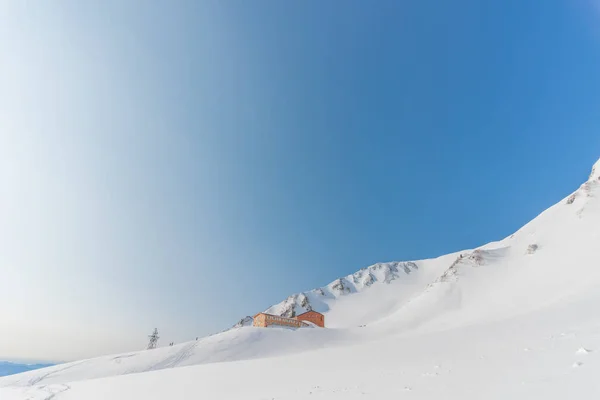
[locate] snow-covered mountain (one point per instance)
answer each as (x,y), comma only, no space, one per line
(515,318)
(320,299)
(332,296)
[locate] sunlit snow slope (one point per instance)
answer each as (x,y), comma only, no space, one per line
(516,318)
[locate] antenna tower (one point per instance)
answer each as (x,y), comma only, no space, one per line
(153,339)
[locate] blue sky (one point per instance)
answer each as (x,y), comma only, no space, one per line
(183,164)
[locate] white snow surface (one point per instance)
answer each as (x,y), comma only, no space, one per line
(513,319)
(595,175)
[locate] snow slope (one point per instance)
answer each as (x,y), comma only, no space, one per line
(515,318)
(344,310)
(521,358)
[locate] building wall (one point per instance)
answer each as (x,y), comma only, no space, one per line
(283,321)
(314,317)
(260,321)
(263,320)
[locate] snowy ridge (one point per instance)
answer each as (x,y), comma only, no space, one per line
(476,258)
(318,299)
(595,175)
(516,318)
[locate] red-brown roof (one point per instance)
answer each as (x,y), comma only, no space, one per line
(308,312)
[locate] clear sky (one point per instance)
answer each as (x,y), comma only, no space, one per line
(182,164)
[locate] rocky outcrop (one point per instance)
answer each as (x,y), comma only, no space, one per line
(339,287)
(246,321)
(472,259)
(532,248)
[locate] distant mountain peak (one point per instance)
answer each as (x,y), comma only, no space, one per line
(317,299)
